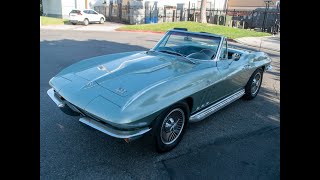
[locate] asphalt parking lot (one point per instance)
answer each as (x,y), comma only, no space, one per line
(241,141)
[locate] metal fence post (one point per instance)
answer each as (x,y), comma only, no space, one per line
(150,15)
(234,11)
(275,23)
(175,14)
(218,17)
(145,13)
(188,17)
(225,17)
(164,14)
(264,17)
(251,25)
(194,14)
(157,15)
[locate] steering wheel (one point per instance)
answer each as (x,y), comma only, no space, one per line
(209,52)
(199,55)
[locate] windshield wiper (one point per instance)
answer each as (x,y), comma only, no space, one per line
(176,53)
(193,62)
(171,52)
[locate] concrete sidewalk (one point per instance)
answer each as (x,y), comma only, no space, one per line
(107,26)
(268,42)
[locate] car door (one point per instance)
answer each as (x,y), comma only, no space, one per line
(210,93)
(94,15)
(86,14)
(229,71)
(215,80)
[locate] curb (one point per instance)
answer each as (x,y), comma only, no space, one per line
(271,49)
(231,40)
(147,31)
(163,32)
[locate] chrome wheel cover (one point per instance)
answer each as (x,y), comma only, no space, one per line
(86,22)
(256,83)
(172,126)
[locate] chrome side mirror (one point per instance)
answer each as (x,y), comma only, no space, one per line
(236,56)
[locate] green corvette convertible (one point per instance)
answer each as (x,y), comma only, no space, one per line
(184,78)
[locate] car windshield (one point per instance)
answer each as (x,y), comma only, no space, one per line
(196,46)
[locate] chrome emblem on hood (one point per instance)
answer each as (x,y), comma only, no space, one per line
(121,90)
(102,68)
(89,85)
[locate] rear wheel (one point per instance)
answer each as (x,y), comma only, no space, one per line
(86,22)
(170,126)
(253,86)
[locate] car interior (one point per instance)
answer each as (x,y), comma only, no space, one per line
(197,52)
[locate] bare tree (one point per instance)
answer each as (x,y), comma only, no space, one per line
(203,14)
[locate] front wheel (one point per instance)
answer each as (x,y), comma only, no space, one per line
(101,21)
(86,22)
(170,126)
(253,86)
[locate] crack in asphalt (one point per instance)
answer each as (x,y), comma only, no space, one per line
(187,151)
(223,140)
(217,142)
(169,171)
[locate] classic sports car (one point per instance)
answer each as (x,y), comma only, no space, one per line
(184,78)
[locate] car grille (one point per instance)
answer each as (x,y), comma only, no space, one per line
(86,113)
(58,95)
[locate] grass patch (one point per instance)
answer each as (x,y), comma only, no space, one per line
(52,21)
(197,27)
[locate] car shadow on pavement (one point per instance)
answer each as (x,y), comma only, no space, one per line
(275,72)
(72,150)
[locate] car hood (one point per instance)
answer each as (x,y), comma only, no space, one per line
(124,76)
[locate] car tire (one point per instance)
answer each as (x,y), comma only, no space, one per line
(101,21)
(170,126)
(253,86)
(86,22)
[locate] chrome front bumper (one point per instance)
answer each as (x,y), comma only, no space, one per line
(113,132)
(55,99)
(268,68)
(107,129)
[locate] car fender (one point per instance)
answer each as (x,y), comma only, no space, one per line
(158,97)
